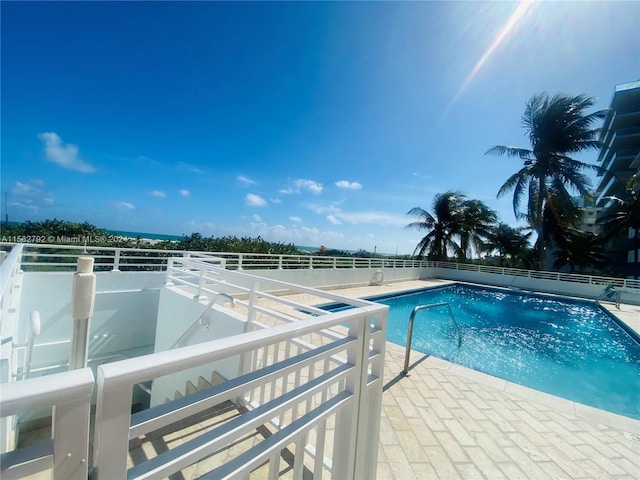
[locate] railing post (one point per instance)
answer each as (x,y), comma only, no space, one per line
(201,283)
(239,261)
(279,262)
(168,282)
(310,262)
(351,420)
(335,264)
(83,297)
(116,261)
(371,402)
(353,454)
(70,430)
(354,263)
(113,419)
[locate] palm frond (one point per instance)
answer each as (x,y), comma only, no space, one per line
(506,151)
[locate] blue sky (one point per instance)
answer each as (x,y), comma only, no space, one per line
(311,123)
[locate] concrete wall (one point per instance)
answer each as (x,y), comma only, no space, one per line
(124,318)
(559,287)
(176,312)
(345,277)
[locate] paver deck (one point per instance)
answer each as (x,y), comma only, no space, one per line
(445,421)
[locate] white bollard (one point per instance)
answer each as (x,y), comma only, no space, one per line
(82,301)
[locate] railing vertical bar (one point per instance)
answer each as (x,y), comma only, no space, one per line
(274,466)
(319,450)
(298,460)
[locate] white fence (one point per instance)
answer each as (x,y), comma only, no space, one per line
(59,257)
(66,453)
(542,275)
(55,257)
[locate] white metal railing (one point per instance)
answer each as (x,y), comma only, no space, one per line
(10,271)
(544,275)
(45,256)
(65,454)
(10,289)
(300,390)
(60,257)
(200,318)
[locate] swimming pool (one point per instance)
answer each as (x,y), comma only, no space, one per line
(569,348)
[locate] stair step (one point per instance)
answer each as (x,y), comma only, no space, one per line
(203,383)
(217,379)
(190,388)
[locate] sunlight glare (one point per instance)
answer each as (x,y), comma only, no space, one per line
(523,7)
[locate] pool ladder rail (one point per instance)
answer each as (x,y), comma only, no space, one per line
(410,329)
(610,293)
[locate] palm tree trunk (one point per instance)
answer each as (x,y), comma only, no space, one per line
(636,247)
(542,254)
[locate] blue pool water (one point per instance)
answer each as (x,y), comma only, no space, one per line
(567,348)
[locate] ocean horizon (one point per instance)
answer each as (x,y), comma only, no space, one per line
(150,236)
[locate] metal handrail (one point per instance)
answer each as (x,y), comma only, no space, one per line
(610,293)
(198,321)
(407,352)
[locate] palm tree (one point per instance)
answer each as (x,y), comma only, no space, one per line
(476,224)
(511,243)
(557,127)
(442,226)
(579,250)
(456,225)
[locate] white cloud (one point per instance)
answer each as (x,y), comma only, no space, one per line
(31,187)
(275,200)
(255,200)
(256,218)
(184,192)
(246,181)
(31,195)
(295,219)
(201,227)
(336,214)
(321,209)
(189,168)
(124,205)
(302,184)
(348,185)
(299,235)
(158,194)
(65,155)
(378,218)
(420,175)
(25,205)
(334,220)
